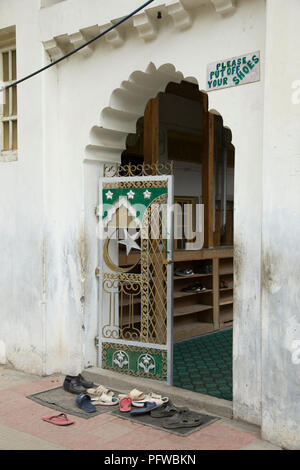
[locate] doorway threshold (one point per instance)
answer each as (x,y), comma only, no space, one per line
(180,397)
(204,364)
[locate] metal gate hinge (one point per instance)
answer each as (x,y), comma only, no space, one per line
(97,272)
(96,341)
(96,210)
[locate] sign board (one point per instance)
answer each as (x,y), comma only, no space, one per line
(233,72)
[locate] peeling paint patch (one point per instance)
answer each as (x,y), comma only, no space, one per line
(239,258)
(271,281)
(83,255)
(75,282)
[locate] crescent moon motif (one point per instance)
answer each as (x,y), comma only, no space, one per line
(109,262)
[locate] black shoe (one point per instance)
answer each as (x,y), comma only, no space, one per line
(80,380)
(84,382)
(73,386)
(204,269)
(184,272)
(198,287)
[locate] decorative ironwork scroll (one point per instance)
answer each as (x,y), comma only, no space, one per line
(145,169)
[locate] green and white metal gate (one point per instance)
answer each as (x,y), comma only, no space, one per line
(136,271)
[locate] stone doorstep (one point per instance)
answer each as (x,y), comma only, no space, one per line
(180,397)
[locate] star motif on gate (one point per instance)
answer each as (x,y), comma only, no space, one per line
(129,241)
(147,194)
(131,194)
(109,195)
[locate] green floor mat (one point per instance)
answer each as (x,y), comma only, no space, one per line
(204,364)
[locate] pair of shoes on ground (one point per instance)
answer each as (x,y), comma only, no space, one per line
(176,417)
(102,396)
(76,384)
(137,402)
(93,397)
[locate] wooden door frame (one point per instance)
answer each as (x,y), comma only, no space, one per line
(151,146)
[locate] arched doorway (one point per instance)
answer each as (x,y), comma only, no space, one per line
(176,125)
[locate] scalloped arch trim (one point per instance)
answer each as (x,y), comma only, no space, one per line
(126,105)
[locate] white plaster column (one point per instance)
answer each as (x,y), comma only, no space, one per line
(281,228)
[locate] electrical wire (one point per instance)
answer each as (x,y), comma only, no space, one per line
(17,82)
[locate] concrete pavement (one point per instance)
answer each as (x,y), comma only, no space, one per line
(21,426)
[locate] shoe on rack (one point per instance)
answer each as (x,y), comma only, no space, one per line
(223,285)
(184,272)
(198,287)
(204,269)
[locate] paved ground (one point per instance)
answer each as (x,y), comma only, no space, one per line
(21,426)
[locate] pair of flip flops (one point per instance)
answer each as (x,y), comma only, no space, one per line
(138,399)
(143,403)
(126,406)
(127,400)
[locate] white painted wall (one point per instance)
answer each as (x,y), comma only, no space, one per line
(22,308)
(85,87)
(281,229)
(48,293)
(71,98)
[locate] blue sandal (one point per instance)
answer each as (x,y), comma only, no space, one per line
(146,408)
(84,402)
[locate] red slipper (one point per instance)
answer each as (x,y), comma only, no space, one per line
(59,420)
(125,404)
